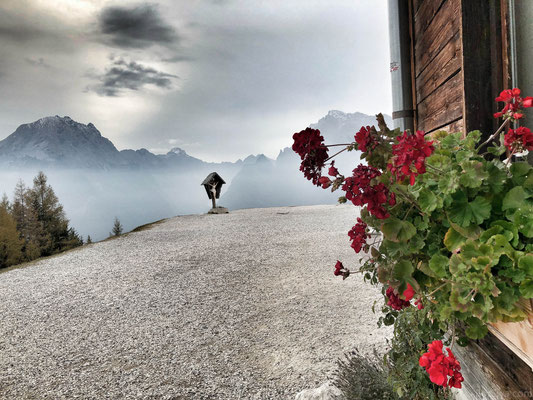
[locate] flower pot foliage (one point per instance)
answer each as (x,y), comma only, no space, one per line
(446,221)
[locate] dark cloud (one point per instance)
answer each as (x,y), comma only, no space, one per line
(128,75)
(135,27)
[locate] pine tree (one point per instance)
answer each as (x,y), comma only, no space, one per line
(30,229)
(5,204)
(10,243)
(50,214)
(89,240)
(117,228)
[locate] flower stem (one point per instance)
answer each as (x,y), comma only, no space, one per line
(340,144)
(337,153)
(437,289)
(490,139)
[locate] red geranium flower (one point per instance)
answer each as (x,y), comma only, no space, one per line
(364,139)
(332,171)
(395,301)
(360,192)
(409,292)
(358,236)
(341,271)
(325,182)
(513,103)
(409,156)
(518,140)
(440,367)
(309,144)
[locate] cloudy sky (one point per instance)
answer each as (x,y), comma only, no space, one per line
(219,78)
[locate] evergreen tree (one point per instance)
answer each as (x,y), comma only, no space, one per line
(30,229)
(89,240)
(117,228)
(50,214)
(4,203)
(10,242)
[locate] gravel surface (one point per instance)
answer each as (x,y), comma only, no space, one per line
(235,306)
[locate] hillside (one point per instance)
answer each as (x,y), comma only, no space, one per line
(243,305)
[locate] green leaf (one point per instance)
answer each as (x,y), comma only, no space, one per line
(526,288)
(491,232)
(496,150)
(449,182)
(526,263)
(514,198)
(498,176)
(481,208)
(474,172)
(438,264)
(402,270)
(463,212)
(427,201)
(397,230)
(476,328)
(520,168)
(472,138)
(523,220)
(453,239)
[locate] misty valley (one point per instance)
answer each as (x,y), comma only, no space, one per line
(95,182)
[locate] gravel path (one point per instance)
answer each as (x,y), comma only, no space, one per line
(237,306)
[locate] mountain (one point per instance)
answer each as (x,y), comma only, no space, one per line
(340,127)
(57,140)
(62,142)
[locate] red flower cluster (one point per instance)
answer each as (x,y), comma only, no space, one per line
(513,103)
(409,156)
(439,366)
(395,301)
(358,236)
(332,171)
(363,139)
(360,192)
(324,181)
(340,270)
(309,144)
(418,304)
(518,140)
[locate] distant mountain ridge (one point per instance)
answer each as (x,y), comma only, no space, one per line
(62,142)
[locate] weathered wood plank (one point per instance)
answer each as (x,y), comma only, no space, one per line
(425,14)
(477,43)
(443,28)
(444,65)
(493,372)
(518,336)
(455,126)
(417,4)
(443,106)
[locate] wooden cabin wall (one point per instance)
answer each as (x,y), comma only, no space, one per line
(437,65)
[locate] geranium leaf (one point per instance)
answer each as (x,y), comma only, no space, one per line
(476,328)
(463,212)
(526,288)
(397,230)
(427,201)
(520,168)
(514,198)
(474,172)
(525,263)
(438,264)
(402,270)
(453,239)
